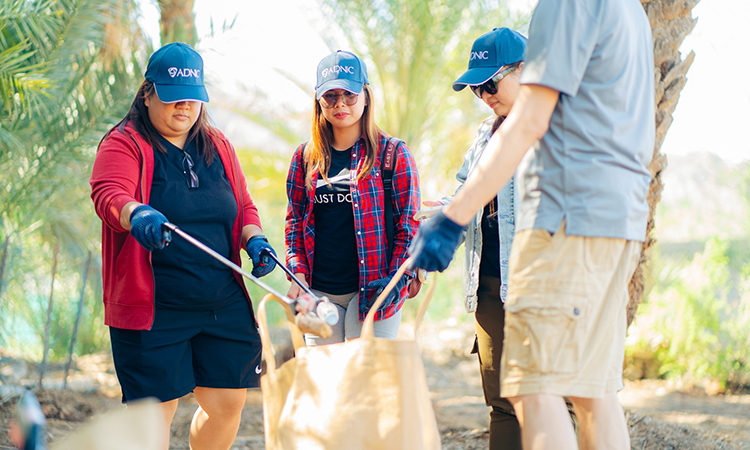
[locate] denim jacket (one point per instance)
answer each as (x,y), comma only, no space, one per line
(507,209)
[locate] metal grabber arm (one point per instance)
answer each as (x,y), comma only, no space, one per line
(324,308)
(307,323)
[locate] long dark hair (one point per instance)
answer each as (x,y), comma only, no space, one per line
(318,150)
(202,130)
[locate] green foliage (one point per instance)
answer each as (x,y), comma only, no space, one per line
(24,29)
(25,303)
(73,69)
(744,187)
(692,326)
(86,96)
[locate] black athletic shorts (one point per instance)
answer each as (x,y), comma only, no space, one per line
(185,349)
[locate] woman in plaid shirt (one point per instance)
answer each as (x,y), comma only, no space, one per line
(335,223)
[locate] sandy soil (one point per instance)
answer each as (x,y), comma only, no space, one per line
(659,415)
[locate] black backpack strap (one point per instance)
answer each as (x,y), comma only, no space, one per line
(386,170)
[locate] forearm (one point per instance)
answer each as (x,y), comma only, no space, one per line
(125,213)
(249,231)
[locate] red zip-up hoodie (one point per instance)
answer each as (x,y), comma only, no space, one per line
(123,172)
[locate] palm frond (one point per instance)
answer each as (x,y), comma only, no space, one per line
(20,78)
(37,22)
(83,99)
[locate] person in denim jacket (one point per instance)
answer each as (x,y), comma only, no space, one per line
(494,70)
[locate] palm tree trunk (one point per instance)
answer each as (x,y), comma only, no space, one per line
(3,259)
(177,23)
(671,21)
(43,366)
(78,320)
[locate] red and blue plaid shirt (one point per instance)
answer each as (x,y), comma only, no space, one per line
(369,219)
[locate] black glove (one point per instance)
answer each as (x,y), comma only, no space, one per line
(379,285)
(146,226)
(258,248)
(435,243)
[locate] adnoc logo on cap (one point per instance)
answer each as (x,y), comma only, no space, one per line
(185,72)
(336,69)
(479,55)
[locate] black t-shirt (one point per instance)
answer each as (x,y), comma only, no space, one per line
(335,264)
(185,276)
(490,264)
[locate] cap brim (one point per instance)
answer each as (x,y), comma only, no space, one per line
(349,85)
(474,77)
(170,93)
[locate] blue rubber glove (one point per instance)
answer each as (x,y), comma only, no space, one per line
(257,248)
(379,286)
(435,243)
(146,227)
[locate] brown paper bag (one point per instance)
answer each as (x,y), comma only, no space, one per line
(369,393)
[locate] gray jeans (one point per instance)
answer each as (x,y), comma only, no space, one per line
(349,326)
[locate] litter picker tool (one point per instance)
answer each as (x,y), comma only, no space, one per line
(324,308)
(307,323)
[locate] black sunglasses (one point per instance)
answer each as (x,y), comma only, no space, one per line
(329,100)
(192,177)
(490,86)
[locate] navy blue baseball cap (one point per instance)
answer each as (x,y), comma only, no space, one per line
(341,70)
(490,53)
(177,73)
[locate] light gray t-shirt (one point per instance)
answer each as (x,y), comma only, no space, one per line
(591,167)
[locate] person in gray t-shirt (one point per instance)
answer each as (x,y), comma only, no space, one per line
(586,106)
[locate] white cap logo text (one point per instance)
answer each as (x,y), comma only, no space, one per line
(336,69)
(184,72)
(478,55)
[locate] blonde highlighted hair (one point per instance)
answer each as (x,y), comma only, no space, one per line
(317,155)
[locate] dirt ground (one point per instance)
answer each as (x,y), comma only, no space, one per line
(660,415)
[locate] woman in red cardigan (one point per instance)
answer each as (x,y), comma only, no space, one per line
(179,321)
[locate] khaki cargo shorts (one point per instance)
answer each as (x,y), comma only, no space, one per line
(565,317)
